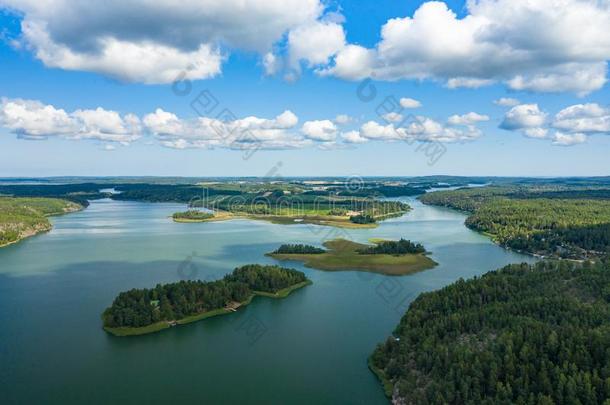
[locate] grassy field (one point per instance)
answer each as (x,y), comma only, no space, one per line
(24,217)
(343,255)
(159,326)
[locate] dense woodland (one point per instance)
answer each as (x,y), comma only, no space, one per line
(167,302)
(390,247)
(298,249)
(567,228)
(525,334)
(568,223)
(20,217)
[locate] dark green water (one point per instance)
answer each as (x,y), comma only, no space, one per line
(310,348)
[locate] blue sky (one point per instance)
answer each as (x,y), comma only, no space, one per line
(557,124)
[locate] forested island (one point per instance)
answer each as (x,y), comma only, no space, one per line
(192,216)
(526,334)
(572,223)
(141,311)
(24,217)
(385,257)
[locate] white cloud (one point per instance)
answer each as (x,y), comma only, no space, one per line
(572,124)
(245,133)
(353,137)
(536,133)
(393,117)
(467,119)
(271,64)
(507,102)
(585,118)
(374,131)
(579,78)
(524,116)
(468,82)
(497,40)
(144,62)
(322,130)
(428,130)
(153,41)
(406,102)
(343,119)
(561,139)
(421,129)
(31,119)
(353,62)
(315,42)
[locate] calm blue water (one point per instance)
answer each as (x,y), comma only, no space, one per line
(309,348)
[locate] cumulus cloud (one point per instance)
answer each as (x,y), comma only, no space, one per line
(562,139)
(421,129)
(507,102)
(343,119)
(393,117)
(153,41)
(322,130)
(407,102)
(428,130)
(524,116)
(245,133)
(315,43)
(497,40)
(585,118)
(467,119)
(31,119)
(571,126)
(353,137)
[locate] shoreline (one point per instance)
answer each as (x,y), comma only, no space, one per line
(162,325)
(49,228)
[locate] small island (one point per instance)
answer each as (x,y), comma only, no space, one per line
(385,257)
(142,311)
(202,216)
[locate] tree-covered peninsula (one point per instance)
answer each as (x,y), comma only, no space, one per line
(563,222)
(141,311)
(24,217)
(526,334)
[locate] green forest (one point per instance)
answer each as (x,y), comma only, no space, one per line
(167,302)
(298,249)
(23,217)
(566,223)
(565,228)
(390,247)
(525,334)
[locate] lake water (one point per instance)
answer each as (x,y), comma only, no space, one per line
(309,348)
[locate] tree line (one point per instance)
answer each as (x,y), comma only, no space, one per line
(390,247)
(298,249)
